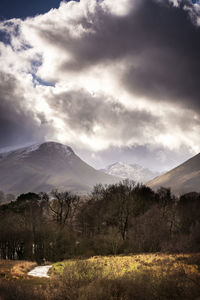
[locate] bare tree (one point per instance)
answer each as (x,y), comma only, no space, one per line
(64,206)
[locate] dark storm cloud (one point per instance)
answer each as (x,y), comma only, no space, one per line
(169,67)
(161,43)
(17,126)
(128,60)
(82,112)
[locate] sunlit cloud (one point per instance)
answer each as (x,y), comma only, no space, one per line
(97,75)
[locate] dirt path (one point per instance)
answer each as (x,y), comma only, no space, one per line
(40,271)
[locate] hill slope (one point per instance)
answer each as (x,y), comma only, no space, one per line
(43,167)
(182,179)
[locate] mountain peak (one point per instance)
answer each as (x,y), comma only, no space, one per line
(118,163)
(46,166)
(43,147)
(56,146)
(131,171)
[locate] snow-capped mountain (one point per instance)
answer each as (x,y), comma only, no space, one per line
(46,166)
(25,152)
(131,171)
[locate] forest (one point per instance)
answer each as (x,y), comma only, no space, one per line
(121,218)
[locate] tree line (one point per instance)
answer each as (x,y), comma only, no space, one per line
(114,219)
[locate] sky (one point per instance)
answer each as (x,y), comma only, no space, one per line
(115,80)
(23,8)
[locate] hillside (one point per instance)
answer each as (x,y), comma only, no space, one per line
(182,179)
(43,167)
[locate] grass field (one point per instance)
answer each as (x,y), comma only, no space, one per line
(142,277)
(148,276)
(10,269)
(15,284)
(119,266)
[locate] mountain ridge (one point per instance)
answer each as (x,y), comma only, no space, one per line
(45,166)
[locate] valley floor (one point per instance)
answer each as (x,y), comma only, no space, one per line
(145,277)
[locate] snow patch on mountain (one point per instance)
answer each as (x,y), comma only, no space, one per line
(48,166)
(32,148)
(24,152)
(27,150)
(131,171)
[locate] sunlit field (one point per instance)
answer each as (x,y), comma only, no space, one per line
(147,276)
(118,266)
(151,276)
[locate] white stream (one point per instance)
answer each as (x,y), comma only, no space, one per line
(40,271)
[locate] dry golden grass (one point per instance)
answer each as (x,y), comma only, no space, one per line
(15,269)
(145,277)
(15,284)
(141,277)
(118,266)
(22,268)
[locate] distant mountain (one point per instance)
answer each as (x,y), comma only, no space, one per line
(43,167)
(182,179)
(131,171)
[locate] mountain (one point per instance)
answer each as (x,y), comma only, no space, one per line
(43,167)
(130,171)
(182,179)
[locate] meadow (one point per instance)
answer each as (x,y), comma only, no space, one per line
(15,284)
(144,276)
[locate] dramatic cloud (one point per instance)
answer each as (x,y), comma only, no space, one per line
(18,125)
(99,121)
(102,76)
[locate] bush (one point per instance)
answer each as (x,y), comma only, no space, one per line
(112,278)
(16,290)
